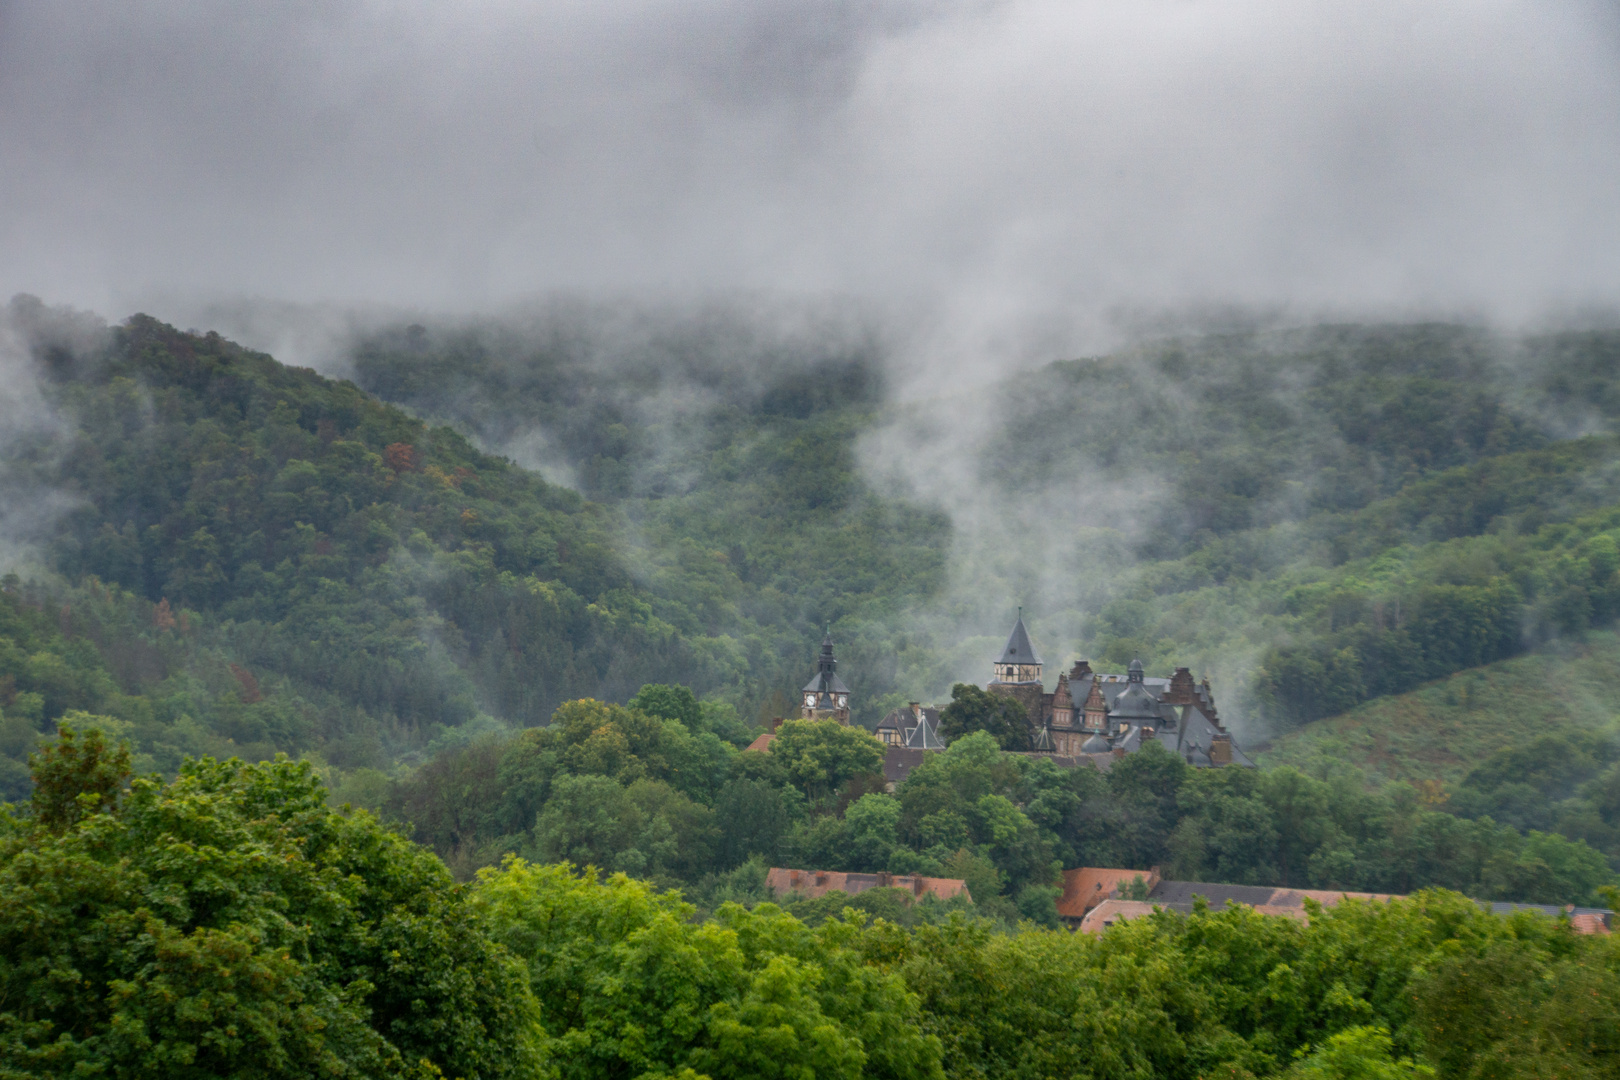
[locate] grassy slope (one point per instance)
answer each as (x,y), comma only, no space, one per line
(1443,729)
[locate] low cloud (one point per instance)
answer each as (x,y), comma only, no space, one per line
(1015,176)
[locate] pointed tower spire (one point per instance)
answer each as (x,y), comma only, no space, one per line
(825,696)
(1018,663)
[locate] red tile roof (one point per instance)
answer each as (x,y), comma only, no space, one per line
(814,883)
(1088,886)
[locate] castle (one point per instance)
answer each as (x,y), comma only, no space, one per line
(1093,713)
(1088,715)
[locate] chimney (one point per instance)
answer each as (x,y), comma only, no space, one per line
(1181,690)
(1220,749)
(776,723)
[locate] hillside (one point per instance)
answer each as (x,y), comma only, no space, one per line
(1316,516)
(255,558)
(727,448)
(1445,729)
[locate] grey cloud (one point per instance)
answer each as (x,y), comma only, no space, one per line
(1023,169)
(1007,182)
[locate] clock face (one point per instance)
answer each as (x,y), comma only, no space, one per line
(809,701)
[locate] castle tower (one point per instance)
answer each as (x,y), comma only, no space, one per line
(1018,676)
(1018,663)
(825,697)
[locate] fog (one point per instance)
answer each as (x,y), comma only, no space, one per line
(1024,173)
(988,185)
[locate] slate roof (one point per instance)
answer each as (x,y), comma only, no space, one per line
(898,761)
(1136,703)
(1018,650)
(1188,731)
(826,680)
(925,736)
(918,729)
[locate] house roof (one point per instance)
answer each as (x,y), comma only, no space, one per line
(925,735)
(898,761)
(1089,894)
(1179,896)
(918,728)
(1136,703)
(815,883)
(1087,886)
(1109,912)
(763,743)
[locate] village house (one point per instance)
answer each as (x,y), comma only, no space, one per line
(812,884)
(1096,898)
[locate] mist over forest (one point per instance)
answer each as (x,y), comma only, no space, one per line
(436,439)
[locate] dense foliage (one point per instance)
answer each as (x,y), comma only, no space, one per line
(1319,516)
(230,923)
(227,923)
(728,449)
(256,557)
(1336,514)
(629,790)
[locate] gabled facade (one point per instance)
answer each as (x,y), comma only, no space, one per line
(1096,714)
(913,727)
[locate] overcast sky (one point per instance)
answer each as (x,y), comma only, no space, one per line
(1006,162)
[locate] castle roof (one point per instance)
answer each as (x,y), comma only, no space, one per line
(1018,650)
(826,680)
(1136,704)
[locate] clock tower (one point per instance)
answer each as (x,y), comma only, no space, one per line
(825,697)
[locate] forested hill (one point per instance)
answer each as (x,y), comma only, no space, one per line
(729,450)
(257,558)
(1314,516)
(263,559)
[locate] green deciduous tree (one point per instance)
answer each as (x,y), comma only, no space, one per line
(229,923)
(972,709)
(819,756)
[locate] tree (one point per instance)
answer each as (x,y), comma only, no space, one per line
(754,817)
(670,702)
(972,709)
(749,993)
(1358,1053)
(869,826)
(76,777)
(229,923)
(819,756)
